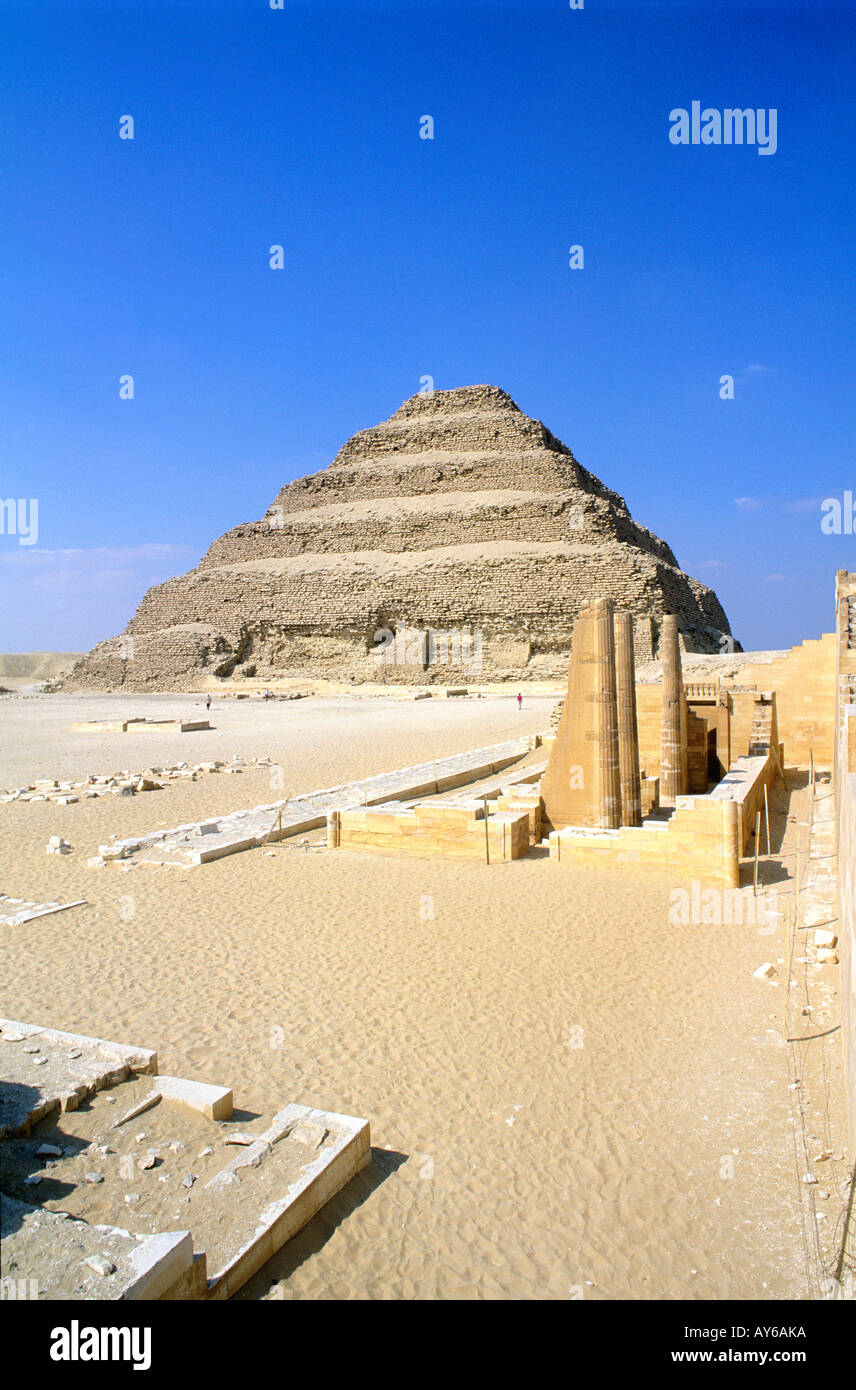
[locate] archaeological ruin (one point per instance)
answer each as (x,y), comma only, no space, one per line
(457,540)
(642,771)
(72,1129)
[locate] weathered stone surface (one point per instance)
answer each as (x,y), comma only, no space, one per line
(767,971)
(673,757)
(459,514)
(825,939)
(582,784)
(628,733)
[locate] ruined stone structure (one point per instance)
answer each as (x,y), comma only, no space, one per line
(460,519)
(246,1204)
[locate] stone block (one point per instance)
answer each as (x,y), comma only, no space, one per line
(215,1102)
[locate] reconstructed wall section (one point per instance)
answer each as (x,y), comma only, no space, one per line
(744,785)
(845,792)
(743,722)
(847,930)
(699,840)
(804,682)
(446,830)
(459,512)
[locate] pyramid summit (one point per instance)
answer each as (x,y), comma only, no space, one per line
(457,531)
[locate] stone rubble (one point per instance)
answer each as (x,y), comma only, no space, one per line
(14,912)
(767,971)
(125,782)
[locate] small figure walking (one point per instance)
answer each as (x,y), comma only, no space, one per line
(520,702)
(208,703)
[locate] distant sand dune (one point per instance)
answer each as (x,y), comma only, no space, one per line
(28,668)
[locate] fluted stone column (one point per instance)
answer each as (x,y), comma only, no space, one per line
(673,753)
(582,783)
(628,733)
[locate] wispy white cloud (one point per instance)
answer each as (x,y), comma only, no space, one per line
(756,367)
(713,565)
(66,600)
(803,504)
(776,578)
(748,504)
(97,558)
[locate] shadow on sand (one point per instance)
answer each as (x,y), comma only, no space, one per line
(315,1234)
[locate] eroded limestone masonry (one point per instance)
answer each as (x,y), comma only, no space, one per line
(459,514)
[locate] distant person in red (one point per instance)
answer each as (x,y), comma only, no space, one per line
(520,702)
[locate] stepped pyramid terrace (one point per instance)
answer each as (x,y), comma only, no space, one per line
(458,539)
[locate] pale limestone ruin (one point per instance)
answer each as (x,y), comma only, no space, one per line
(73,1154)
(458,539)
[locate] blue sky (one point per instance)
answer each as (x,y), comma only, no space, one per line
(406,257)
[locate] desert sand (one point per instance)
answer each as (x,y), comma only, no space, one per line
(569,1096)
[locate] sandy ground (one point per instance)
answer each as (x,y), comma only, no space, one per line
(569,1095)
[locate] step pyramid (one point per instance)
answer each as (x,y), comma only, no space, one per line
(457,539)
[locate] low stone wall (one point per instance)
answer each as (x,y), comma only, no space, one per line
(101,726)
(454,830)
(524,800)
(744,784)
(700,840)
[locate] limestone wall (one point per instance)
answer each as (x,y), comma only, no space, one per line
(847,936)
(700,840)
(649,721)
(744,784)
(804,682)
(442,829)
(845,793)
